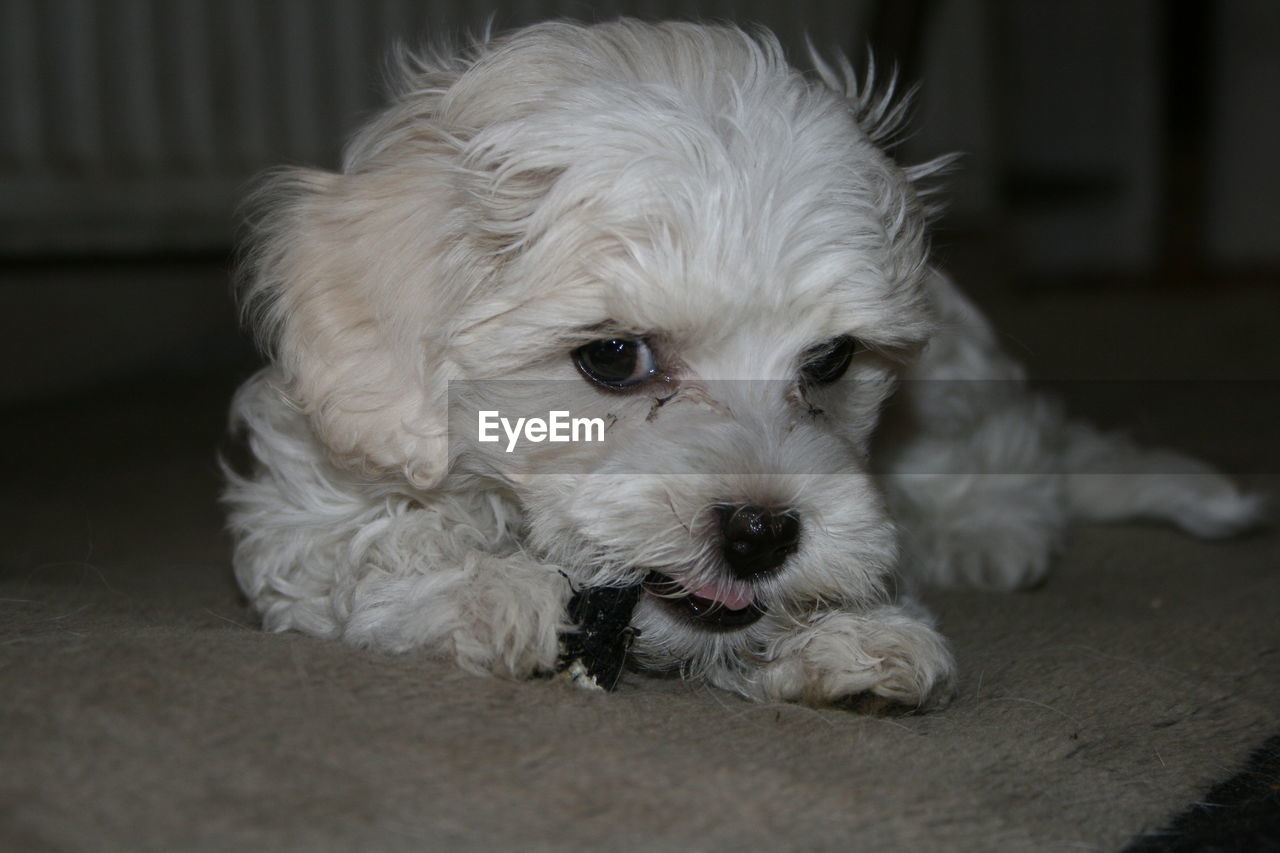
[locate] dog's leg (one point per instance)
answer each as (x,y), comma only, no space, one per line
(398,586)
(321,551)
(998,525)
(996,519)
(983,505)
(997,532)
(985,474)
(841,657)
(490,614)
(1111,478)
(972,460)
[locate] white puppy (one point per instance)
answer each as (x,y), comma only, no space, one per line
(668,229)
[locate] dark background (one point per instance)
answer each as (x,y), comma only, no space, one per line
(1122,149)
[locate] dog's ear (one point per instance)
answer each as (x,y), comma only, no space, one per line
(338,287)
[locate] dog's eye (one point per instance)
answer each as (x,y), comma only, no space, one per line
(827,362)
(616,362)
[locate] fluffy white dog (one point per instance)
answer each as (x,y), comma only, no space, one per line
(667,231)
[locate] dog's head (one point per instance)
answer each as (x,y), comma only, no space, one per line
(665,228)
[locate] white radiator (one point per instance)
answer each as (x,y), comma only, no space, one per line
(133,125)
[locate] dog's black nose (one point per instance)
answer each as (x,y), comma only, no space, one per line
(757,540)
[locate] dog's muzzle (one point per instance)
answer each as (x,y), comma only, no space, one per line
(756,541)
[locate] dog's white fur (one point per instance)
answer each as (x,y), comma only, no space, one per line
(683,183)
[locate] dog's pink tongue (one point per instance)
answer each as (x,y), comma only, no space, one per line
(731,596)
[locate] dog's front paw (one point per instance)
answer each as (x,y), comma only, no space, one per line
(844,658)
(492,615)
